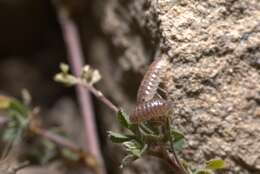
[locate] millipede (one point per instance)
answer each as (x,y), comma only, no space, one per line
(152,78)
(150,110)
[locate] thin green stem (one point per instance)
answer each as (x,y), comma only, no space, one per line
(176,159)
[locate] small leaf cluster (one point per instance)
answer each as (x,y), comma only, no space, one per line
(141,137)
(18,126)
(17,117)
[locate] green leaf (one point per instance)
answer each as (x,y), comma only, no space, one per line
(178,145)
(178,139)
(133,144)
(135,148)
(118,138)
(123,119)
(18,120)
(139,152)
(149,134)
(176,135)
(215,164)
(145,129)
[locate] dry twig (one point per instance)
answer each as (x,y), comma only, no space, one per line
(71,37)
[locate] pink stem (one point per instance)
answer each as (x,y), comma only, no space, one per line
(71,37)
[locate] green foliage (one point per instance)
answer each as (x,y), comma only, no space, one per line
(19,116)
(178,139)
(215,164)
(118,138)
(132,142)
(123,119)
(143,136)
(211,166)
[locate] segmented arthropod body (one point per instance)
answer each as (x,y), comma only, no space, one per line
(152,78)
(152,109)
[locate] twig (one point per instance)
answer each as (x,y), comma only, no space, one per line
(100,96)
(173,156)
(88,158)
(56,138)
(171,159)
(71,37)
(161,152)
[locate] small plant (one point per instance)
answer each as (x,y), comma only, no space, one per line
(148,128)
(22,122)
(147,139)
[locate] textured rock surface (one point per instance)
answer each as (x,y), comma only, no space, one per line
(215,48)
(215,78)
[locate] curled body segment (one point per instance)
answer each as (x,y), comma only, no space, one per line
(151,80)
(149,110)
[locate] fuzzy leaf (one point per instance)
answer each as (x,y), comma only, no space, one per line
(215,164)
(178,145)
(129,145)
(176,135)
(123,119)
(117,137)
(178,139)
(145,129)
(139,152)
(135,148)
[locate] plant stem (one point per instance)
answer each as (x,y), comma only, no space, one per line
(161,152)
(100,96)
(171,159)
(72,40)
(89,159)
(172,156)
